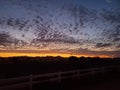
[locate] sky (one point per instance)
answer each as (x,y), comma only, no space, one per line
(65,28)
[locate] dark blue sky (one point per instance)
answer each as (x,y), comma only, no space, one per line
(82,27)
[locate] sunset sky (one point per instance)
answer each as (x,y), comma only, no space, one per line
(60,28)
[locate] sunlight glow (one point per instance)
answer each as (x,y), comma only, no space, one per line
(47,54)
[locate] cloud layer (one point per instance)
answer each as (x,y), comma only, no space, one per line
(42,26)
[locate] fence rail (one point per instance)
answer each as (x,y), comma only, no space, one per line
(29,81)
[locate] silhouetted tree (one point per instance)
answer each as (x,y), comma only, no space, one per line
(82,58)
(73,58)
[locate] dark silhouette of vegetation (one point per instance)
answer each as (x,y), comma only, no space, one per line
(21,66)
(73,58)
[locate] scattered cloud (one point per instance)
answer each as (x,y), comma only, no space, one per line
(76,25)
(108,1)
(88,52)
(99,45)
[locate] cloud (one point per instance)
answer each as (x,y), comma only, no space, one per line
(118,46)
(9,42)
(5,39)
(113,35)
(88,52)
(75,25)
(99,45)
(108,1)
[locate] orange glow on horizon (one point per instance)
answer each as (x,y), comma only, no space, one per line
(47,54)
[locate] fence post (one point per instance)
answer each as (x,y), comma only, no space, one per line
(78,74)
(59,77)
(118,68)
(103,70)
(93,72)
(30,82)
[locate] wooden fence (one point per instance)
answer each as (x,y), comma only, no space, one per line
(29,81)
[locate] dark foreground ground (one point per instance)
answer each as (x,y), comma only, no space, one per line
(23,66)
(108,81)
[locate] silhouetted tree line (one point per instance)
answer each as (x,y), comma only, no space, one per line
(21,66)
